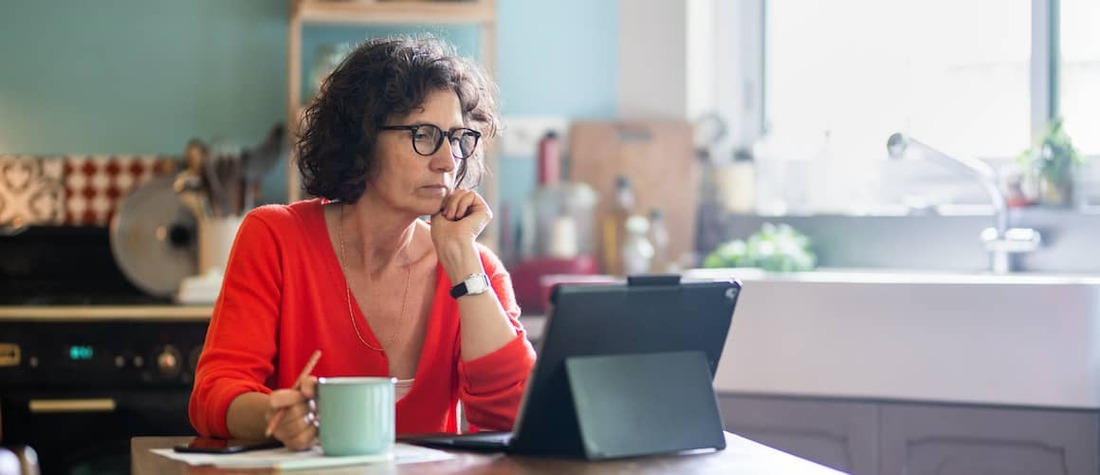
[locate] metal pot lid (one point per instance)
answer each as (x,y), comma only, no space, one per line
(153,238)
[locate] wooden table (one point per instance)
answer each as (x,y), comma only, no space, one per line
(742,456)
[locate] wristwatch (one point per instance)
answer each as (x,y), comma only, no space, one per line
(473,284)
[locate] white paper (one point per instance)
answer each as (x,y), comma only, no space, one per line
(284,459)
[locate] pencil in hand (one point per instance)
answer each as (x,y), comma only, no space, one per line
(297,385)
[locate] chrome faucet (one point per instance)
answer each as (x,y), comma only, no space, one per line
(1000,240)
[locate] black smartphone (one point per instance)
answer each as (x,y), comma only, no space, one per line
(210,445)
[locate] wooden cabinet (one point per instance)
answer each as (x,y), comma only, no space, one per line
(478,13)
(838,434)
(956,440)
(892,438)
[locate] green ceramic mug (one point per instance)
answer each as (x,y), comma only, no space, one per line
(356,415)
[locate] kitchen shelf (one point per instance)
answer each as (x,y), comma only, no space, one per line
(476,13)
(396,12)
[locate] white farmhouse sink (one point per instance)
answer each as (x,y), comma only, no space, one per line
(1015,339)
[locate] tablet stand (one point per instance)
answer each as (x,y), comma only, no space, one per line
(642,404)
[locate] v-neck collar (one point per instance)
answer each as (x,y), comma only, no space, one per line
(432,332)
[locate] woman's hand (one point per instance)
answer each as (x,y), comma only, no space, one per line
(461,219)
(297,428)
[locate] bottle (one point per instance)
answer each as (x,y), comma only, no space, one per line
(658,237)
(563,238)
(737,182)
(558,216)
(830,190)
(637,251)
(768,158)
(549,160)
(613,226)
(542,234)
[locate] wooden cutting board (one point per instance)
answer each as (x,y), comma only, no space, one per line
(659,159)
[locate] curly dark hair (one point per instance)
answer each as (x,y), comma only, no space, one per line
(383,77)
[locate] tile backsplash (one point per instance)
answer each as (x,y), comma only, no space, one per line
(72,190)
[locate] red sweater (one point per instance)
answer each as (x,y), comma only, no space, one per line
(284,297)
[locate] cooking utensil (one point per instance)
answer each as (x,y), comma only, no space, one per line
(257,162)
(153,238)
(222,172)
(189,184)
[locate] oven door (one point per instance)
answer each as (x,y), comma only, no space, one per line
(89,431)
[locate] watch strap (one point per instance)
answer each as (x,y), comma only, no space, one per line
(458,290)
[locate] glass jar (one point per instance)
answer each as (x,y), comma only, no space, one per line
(637,251)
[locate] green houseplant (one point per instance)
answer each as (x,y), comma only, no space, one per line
(775,248)
(1051,163)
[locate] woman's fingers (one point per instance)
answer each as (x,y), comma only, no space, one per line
(463,203)
(298,432)
(462,216)
(309,387)
(457,204)
(296,427)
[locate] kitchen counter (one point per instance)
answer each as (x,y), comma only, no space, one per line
(1012,340)
(111,312)
(534,324)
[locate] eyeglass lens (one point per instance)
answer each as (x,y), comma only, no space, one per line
(427,139)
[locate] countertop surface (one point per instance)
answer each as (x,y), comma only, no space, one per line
(532,323)
(1016,340)
(108,312)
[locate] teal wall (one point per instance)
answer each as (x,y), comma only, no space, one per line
(143,77)
(554,58)
(119,76)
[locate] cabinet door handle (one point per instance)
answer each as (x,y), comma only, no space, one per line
(46,406)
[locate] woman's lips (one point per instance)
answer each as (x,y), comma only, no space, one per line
(436,189)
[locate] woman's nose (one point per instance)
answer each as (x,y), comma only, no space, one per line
(443,159)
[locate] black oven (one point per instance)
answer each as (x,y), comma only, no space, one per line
(86,360)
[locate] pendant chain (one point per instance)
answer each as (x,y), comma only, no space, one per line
(347,291)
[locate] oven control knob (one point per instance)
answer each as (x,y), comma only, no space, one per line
(168,361)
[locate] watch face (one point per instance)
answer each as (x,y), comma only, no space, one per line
(477,284)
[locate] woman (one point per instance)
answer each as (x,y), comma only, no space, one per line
(392,136)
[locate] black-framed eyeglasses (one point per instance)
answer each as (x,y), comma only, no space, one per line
(427,138)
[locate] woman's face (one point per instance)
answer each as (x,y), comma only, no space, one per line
(407,180)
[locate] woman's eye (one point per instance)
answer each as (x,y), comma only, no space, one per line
(420,136)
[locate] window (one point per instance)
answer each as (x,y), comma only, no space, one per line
(954,74)
(1080,73)
(968,77)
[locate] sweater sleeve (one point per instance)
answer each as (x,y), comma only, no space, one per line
(239,350)
(492,386)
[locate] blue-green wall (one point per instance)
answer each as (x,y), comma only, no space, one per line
(143,77)
(119,76)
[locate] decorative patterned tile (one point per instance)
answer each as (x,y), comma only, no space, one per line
(31,190)
(94,185)
(72,190)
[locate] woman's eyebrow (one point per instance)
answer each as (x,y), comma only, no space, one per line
(452,129)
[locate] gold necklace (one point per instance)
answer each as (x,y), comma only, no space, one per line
(347,290)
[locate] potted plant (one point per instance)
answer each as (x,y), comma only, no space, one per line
(775,248)
(1051,163)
